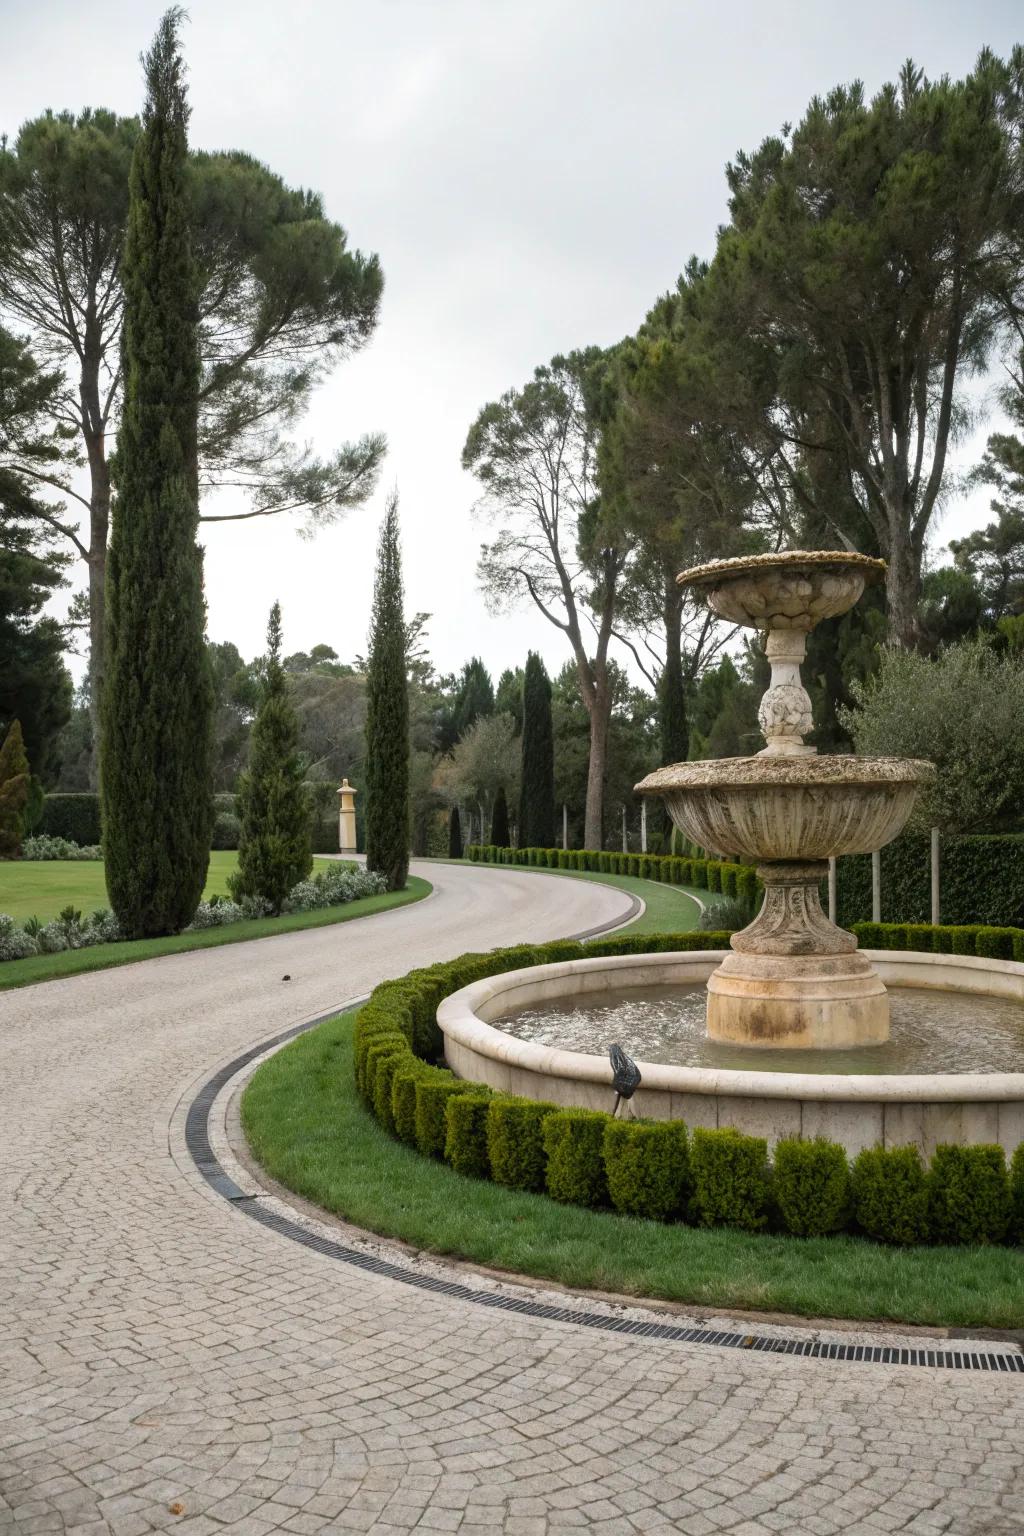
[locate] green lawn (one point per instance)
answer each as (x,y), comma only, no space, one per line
(41,888)
(308,1128)
(20,973)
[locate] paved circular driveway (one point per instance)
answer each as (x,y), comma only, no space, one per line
(167,1364)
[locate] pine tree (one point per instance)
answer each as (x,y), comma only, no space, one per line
(454,834)
(387,715)
(158,701)
(14,792)
(499,820)
(537,795)
(273,806)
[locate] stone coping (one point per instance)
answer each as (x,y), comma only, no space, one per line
(463,1016)
(716,571)
(761,772)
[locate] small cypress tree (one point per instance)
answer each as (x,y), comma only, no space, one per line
(499,820)
(273,807)
(454,834)
(157,708)
(387,715)
(14,792)
(537,795)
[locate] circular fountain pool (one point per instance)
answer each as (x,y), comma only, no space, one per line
(932,1031)
(952,1072)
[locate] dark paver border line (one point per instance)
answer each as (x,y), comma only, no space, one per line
(200,1149)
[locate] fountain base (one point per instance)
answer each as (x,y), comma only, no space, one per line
(796,1001)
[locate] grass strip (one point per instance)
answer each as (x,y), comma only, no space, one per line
(309,1130)
(99,957)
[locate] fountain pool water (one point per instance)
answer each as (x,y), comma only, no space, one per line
(931,1031)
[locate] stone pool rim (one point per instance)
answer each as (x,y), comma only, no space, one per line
(857,1109)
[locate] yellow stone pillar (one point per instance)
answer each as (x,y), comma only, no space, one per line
(346,818)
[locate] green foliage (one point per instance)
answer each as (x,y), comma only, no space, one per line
(515,1142)
(454,834)
(14,792)
(890,1194)
(157,701)
(387,714)
(383,1061)
(811,1186)
(433,1090)
(968,1195)
(403,1097)
(730,1178)
(274,850)
(647,1167)
(537,783)
(965,939)
(465,1143)
(75,817)
(499,820)
(962,710)
(1017,1195)
(981,881)
(574,1147)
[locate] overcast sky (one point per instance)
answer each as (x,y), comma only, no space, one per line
(532,174)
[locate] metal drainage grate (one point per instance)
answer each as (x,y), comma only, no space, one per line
(197,1141)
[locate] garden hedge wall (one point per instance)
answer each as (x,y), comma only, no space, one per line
(719,876)
(655,1169)
(981,880)
(75,817)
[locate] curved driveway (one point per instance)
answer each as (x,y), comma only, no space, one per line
(167,1364)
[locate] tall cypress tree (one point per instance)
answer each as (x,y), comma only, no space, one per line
(537,795)
(273,807)
(158,701)
(15,783)
(455,834)
(499,820)
(387,715)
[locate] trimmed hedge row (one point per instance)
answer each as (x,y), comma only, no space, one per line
(982,880)
(656,1169)
(717,875)
(74,817)
(947,939)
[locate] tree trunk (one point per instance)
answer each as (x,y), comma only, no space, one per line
(600,713)
(902,586)
(673,727)
(99,530)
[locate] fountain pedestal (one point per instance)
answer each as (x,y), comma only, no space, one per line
(794,979)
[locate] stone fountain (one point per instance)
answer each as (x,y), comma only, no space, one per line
(793,979)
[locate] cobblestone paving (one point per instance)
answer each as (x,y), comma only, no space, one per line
(166,1364)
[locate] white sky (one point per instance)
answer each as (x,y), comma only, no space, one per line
(532,173)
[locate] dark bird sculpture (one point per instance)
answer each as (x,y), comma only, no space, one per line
(625,1075)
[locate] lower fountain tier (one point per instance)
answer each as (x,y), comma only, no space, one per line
(798,1001)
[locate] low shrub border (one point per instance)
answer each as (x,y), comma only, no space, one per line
(714,1178)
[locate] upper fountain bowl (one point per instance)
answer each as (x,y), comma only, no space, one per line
(792,590)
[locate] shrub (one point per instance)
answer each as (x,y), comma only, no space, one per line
(465,1142)
(811,1186)
(215,913)
(963,941)
(730,1178)
(648,1167)
(574,1145)
(385,1065)
(1017,1195)
(74,817)
(15,943)
(994,943)
(723,916)
(226,830)
(432,1091)
(515,1142)
(403,1097)
(890,1194)
(43,847)
(968,1195)
(381,1049)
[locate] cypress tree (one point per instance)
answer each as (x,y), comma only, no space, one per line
(454,834)
(14,792)
(273,808)
(158,700)
(499,820)
(387,715)
(537,795)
